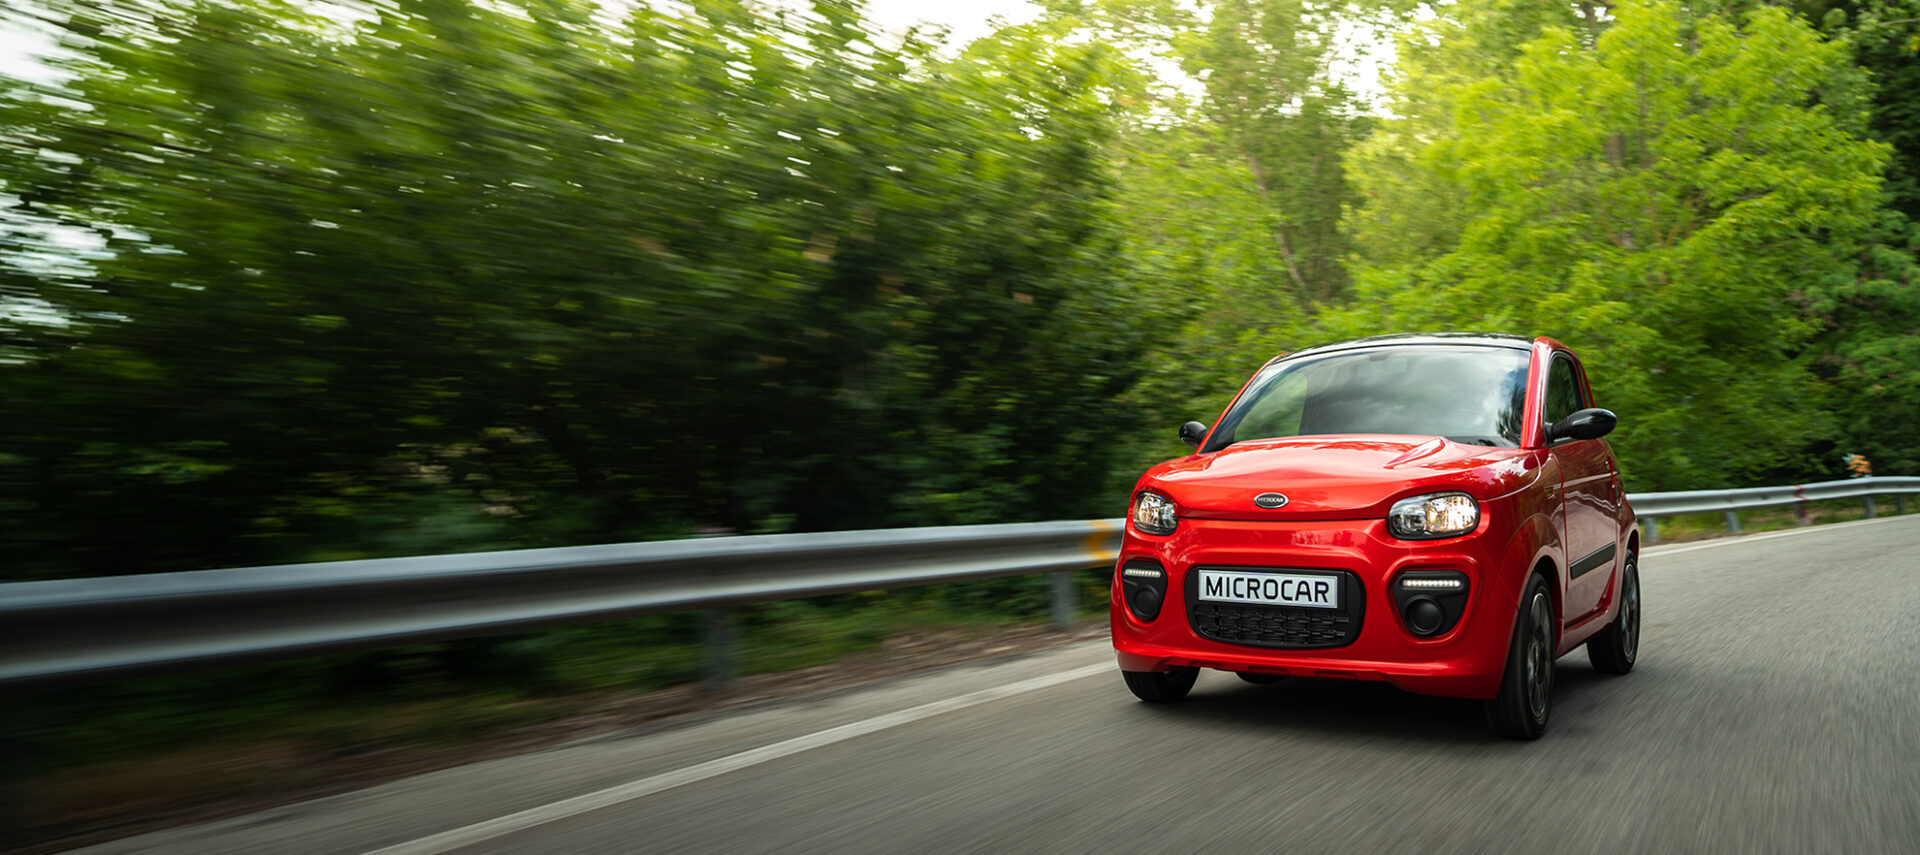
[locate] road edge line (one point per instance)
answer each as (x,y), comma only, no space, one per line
(479,832)
(1657,550)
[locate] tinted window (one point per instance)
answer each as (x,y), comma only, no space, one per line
(1468,394)
(1563,390)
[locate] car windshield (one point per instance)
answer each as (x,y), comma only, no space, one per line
(1464,393)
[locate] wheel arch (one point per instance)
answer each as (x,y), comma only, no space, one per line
(1533,549)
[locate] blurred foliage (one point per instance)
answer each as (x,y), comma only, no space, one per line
(434,275)
(290,281)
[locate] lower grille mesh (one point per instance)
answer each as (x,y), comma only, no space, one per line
(1292,626)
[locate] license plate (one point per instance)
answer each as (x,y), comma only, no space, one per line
(1273,589)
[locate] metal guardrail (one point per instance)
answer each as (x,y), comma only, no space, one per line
(1652,506)
(81,630)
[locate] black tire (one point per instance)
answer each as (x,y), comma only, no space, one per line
(1521,709)
(1161,687)
(1615,648)
(1260,679)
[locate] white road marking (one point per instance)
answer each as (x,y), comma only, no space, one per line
(478,832)
(1750,538)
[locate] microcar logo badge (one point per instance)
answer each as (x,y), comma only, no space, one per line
(1270,500)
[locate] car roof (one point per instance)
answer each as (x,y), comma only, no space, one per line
(1472,339)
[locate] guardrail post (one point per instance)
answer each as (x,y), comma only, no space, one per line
(1870,508)
(1733,521)
(1800,514)
(1064,599)
(1653,529)
(718,637)
(18,755)
(1900,502)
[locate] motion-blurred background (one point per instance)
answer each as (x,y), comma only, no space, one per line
(309,280)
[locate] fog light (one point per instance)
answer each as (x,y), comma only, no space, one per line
(1145,602)
(1424,616)
(1430,602)
(1143,586)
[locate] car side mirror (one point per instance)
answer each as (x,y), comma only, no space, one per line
(1590,423)
(1192,432)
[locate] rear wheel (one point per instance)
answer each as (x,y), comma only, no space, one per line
(1161,687)
(1615,648)
(1526,687)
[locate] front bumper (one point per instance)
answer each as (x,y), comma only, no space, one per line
(1464,661)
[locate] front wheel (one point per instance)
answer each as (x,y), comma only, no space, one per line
(1161,687)
(1526,687)
(1614,649)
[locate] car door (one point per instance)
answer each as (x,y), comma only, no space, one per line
(1589,493)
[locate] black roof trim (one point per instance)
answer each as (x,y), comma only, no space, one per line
(1475,339)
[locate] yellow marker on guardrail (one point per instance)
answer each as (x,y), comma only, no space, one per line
(1103,544)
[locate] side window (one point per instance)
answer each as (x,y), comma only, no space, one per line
(1276,413)
(1563,390)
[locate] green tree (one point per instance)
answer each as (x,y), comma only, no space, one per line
(1665,193)
(1869,347)
(1198,239)
(1267,99)
(1231,183)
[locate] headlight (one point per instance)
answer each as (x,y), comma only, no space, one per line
(1153,514)
(1431,516)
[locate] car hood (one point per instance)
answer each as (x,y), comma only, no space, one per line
(1335,477)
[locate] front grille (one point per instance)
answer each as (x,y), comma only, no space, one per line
(1259,625)
(1244,623)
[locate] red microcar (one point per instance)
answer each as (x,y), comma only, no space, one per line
(1439,512)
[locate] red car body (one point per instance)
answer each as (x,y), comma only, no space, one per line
(1552,509)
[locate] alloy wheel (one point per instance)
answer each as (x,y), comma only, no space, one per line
(1539,668)
(1630,620)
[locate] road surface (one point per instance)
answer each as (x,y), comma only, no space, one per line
(1775,708)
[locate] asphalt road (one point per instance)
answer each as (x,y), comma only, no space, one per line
(1775,708)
